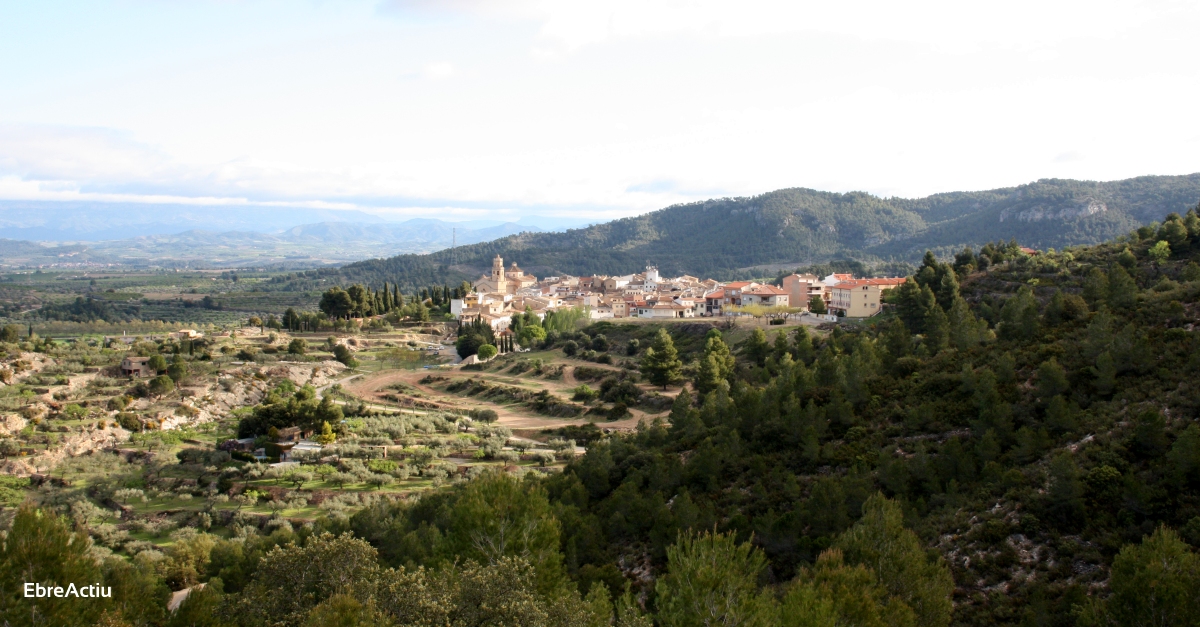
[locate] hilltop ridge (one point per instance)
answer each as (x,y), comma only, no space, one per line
(722,237)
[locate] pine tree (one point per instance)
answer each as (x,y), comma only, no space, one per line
(1105,372)
(965,330)
(1122,291)
(880,542)
(661,363)
(1155,583)
(947,287)
(757,348)
(937,330)
(708,375)
(908,305)
(780,347)
(1095,286)
(41,548)
(897,341)
(1051,379)
(716,347)
(802,346)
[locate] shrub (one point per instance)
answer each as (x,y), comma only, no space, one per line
(584,393)
(343,354)
(160,385)
(484,415)
(618,411)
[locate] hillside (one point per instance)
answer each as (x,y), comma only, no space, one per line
(803,226)
(1015,442)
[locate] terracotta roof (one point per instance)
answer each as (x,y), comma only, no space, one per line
(853,283)
(716,294)
(737,284)
(764,290)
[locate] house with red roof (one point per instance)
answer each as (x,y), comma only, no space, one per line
(765,295)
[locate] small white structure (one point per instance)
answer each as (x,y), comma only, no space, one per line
(303,446)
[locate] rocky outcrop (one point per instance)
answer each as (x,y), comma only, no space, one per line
(317,375)
(11,423)
(22,367)
(73,445)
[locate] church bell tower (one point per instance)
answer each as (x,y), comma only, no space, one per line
(498,278)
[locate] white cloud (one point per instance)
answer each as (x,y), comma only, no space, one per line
(946,24)
(439,70)
(645,104)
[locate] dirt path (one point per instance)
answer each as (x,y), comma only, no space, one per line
(569,376)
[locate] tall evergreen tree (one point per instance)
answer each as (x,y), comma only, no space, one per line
(661,363)
(1122,291)
(908,305)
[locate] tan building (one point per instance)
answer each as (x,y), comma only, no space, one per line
(765,295)
(494,283)
(861,298)
(802,287)
(664,309)
(501,281)
(516,278)
(136,367)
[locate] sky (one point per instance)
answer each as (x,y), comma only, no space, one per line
(463,109)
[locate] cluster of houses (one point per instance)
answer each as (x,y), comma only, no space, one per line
(504,292)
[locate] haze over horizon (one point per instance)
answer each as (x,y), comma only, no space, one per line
(501,109)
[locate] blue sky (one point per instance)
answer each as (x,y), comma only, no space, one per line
(490,108)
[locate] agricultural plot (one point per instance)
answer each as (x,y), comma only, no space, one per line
(143,463)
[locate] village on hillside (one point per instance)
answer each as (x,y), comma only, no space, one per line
(504,292)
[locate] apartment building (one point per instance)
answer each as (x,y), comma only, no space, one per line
(861,298)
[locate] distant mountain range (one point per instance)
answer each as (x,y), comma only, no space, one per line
(721,238)
(46,221)
(727,237)
(185,235)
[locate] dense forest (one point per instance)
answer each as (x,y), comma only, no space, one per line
(723,237)
(1014,443)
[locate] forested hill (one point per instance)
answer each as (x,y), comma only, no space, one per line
(801,226)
